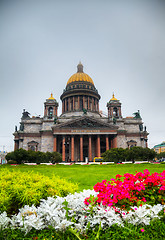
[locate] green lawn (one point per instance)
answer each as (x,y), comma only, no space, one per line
(88,175)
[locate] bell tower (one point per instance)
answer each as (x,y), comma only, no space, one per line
(50,108)
(114,108)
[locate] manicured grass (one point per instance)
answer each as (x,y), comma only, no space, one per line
(88,175)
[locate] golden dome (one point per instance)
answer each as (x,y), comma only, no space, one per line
(80,76)
(113,98)
(51,97)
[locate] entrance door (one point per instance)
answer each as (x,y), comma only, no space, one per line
(85,147)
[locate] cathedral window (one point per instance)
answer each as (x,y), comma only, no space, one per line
(71,105)
(81,103)
(33,146)
(115,112)
(50,112)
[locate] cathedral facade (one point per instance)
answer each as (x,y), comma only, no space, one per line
(81,131)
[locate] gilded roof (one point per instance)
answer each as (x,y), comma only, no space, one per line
(80,76)
(113,98)
(51,97)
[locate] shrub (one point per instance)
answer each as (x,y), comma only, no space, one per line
(18,189)
(53,157)
(11,162)
(22,156)
(135,153)
(115,155)
(19,155)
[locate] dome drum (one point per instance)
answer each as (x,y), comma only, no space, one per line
(79,91)
(80,104)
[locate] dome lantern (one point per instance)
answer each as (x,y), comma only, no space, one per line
(80,76)
(80,68)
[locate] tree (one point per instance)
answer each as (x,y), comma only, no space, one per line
(53,157)
(115,155)
(148,154)
(19,155)
(132,154)
(135,153)
(161,155)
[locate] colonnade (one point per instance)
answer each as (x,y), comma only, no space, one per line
(79,103)
(110,142)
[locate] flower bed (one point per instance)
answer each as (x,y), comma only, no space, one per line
(72,212)
(61,213)
(129,190)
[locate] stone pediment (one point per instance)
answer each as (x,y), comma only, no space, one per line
(85,122)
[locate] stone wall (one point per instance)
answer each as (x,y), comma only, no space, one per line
(24,144)
(47,125)
(121,141)
(32,128)
(47,143)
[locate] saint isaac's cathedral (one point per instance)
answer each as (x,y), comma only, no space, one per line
(81,131)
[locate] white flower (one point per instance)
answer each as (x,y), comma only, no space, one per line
(58,212)
(4,220)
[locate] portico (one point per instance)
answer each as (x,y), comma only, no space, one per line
(75,143)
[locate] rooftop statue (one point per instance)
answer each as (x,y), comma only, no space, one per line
(21,127)
(55,120)
(114,120)
(25,114)
(141,127)
(137,115)
(84,111)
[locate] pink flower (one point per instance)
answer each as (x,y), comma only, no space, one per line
(131,190)
(142,230)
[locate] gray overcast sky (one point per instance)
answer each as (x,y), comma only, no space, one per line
(120,43)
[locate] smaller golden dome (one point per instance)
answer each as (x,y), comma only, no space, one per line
(113,98)
(80,76)
(51,97)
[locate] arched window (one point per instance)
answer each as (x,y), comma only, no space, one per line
(115,112)
(50,112)
(33,146)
